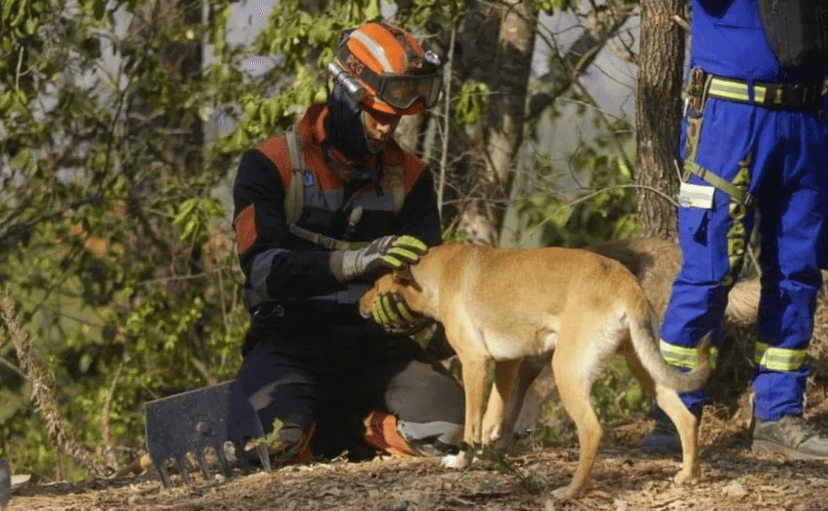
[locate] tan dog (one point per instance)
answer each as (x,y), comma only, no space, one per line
(655,263)
(507,304)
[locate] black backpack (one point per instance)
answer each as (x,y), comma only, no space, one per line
(797,30)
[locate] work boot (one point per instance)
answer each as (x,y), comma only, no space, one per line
(664,438)
(791,435)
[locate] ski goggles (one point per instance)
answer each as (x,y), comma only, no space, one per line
(399,91)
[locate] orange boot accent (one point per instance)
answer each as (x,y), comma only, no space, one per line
(381,433)
(305,453)
(283,452)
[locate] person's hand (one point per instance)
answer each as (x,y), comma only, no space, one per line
(394,315)
(392,252)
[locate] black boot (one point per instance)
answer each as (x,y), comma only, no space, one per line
(791,435)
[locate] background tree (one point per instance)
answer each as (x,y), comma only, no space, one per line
(658,107)
(503,67)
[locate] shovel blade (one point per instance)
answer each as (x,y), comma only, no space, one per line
(191,421)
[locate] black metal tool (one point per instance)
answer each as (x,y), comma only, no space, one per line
(191,421)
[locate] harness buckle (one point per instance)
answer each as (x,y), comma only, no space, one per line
(695,90)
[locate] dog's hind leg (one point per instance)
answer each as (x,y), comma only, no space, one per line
(688,430)
(686,423)
(574,374)
(494,427)
(529,370)
(637,369)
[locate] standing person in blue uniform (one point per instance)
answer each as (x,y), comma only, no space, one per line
(320,211)
(754,139)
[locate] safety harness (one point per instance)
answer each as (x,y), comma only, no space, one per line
(701,86)
(295,197)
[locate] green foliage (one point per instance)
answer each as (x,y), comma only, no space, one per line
(580,217)
(193,216)
(550,6)
(112,243)
(472,100)
(585,195)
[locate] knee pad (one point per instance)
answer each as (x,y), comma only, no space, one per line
(435,438)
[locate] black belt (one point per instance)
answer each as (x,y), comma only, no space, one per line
(774,95)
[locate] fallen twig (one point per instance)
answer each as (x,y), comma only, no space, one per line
(60,432)
(109,453)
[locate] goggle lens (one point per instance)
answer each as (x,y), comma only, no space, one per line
(403,91)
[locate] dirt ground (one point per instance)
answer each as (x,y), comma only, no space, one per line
(624,478)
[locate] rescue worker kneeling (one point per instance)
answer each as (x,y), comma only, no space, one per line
(320,212)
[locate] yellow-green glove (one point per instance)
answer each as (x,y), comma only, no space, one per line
(392,252)
(394,315)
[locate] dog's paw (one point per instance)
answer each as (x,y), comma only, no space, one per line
(686,476)
(492,436)
(561,493)
(456,461)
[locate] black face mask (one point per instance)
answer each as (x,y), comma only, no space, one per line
(345,127)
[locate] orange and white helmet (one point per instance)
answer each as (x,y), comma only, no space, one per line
(385,69)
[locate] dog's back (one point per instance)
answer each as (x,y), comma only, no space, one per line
(519,299)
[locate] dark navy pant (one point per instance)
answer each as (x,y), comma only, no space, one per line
(335,375)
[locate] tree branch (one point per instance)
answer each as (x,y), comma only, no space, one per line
(577,58)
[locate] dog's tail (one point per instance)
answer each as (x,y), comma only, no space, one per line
(644,334)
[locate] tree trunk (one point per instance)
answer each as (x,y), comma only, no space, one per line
(658,114)
(499,136)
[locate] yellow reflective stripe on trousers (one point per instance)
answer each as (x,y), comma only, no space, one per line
(779,359)
(685,357)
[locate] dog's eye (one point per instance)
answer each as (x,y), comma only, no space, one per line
(403,281)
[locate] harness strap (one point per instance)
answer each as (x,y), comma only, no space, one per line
(325,241)
(699,88)
(295,194)
(397,179)
(738,193)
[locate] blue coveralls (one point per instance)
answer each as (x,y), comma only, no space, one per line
(779,155)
